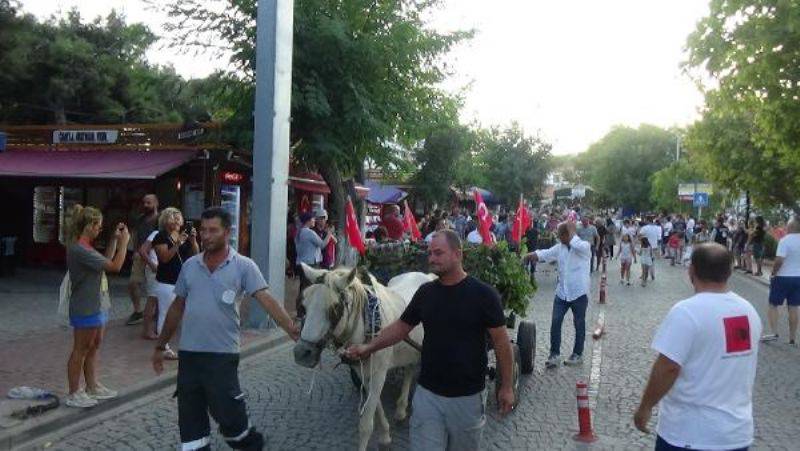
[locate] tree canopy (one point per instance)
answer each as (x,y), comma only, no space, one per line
(749,135)
(365,77)
(70,70)
(618,167)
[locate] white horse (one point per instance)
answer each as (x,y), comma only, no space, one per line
(335,315)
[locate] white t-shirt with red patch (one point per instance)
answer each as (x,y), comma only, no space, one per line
(714,338)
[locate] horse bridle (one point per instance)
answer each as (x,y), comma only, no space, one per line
(335,315)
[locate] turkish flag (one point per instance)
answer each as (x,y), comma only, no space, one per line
(484,218)
(351,228)
(411,223)
(522,221)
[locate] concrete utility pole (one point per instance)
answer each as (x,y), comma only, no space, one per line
(271,146)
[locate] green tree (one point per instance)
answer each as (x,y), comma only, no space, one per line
(664,187)
(69,70)
(513,163)
(439,161)
(749,51)
(365,79)
(618,167)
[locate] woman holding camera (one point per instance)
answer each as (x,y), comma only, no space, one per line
(174,244)
(89,301)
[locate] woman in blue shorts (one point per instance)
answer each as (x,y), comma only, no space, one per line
(89,301)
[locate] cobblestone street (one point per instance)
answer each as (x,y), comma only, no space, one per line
(280,404)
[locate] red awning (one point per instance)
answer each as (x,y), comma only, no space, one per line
(314,183)
(310,182)
(92,164)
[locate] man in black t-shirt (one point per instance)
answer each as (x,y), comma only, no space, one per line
(457,311)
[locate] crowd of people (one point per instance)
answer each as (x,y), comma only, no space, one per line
(191,274)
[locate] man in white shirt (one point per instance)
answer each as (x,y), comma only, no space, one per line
(784,284)
(708,351)
(574,257)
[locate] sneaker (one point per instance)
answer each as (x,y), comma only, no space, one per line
(80,400)
(792,343)
(101,392)
(769,337)
(553,361)
(629,283)
(135,318)
(573,360)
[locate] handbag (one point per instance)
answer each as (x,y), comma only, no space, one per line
(64,293)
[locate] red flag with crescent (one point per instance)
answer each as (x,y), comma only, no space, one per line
(484,218)
(411,223)
(522,221)
(351,228)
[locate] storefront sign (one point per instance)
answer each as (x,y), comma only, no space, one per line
(85,136)
(232,177)
(189,134)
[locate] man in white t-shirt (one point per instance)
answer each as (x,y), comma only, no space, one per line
(784,284)
(708,351)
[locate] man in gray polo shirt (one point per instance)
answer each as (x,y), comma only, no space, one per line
(208,291)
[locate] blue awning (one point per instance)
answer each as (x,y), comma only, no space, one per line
(384,194)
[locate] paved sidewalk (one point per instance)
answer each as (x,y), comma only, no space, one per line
(37,343)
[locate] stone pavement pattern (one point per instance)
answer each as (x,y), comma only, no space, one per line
(280,405)
(37,343)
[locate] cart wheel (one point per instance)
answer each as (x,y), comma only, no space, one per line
(526,340)
(515,376)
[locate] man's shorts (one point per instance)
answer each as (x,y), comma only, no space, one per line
(784,289)
(137,269)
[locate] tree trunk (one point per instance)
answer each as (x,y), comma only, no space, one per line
(333,177)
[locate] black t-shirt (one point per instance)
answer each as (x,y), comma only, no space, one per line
(721,236)
(758,235)
(456,319)
(531,238)
(168,272)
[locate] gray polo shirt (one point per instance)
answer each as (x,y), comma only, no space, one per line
(587,233)
(211,317)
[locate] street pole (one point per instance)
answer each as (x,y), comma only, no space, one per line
(274,26)
(677,148)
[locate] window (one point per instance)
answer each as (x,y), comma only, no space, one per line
(45,214)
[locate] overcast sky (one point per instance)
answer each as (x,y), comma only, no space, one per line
(568,70)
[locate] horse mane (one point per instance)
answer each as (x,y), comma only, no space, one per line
(356,289)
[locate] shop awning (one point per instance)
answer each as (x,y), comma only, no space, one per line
(314,183)
(310,182)
(92,164)
(384,194)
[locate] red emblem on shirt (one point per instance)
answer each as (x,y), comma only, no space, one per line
(737,334)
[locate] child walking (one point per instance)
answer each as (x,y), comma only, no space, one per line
(674,244)
(646,254)
(627,256)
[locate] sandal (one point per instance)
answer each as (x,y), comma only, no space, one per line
(169,354)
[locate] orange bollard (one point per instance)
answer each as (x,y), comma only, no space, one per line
(600,328)
(585,433)
(603,285)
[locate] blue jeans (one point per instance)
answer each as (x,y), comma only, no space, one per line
(663,445)
(560,308)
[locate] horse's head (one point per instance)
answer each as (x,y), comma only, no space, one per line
(327,301)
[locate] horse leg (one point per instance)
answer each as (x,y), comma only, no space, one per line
(384,436)
(401,413)
(375,387)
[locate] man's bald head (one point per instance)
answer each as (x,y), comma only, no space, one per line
(711,262)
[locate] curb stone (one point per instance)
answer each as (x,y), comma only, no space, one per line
(26,434)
